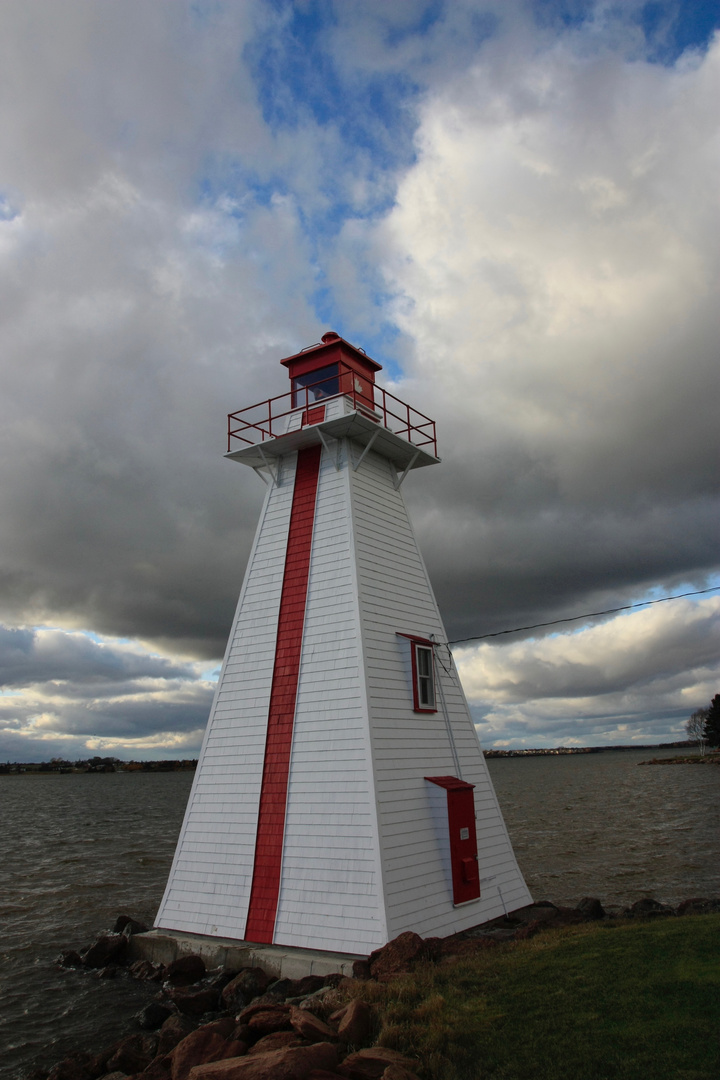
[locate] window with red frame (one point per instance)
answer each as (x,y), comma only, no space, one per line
(423,667)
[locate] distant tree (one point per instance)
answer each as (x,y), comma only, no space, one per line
(695,726)
(712,722)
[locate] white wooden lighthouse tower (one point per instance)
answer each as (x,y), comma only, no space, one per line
(341,795)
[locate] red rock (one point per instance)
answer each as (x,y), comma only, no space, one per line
(133,1054)
(194,1002)
(74,1067)
(269,1019)
(399,956)
(355,1023)
(186,970)
(195,1049)
(236,1048)
(398,1072)
(370,1064)
(248,984)
(108,949)
(276,1041)
(311,1027)
(147,970)
(245,1016)
(292,1063)
(158,1069)
(322,1074)
(172,1032)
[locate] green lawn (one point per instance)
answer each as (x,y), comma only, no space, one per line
(636,1001)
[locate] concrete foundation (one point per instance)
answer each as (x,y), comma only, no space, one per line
(162,948)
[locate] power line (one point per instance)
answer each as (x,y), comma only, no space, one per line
(587,615)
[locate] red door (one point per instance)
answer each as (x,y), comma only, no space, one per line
(462,838)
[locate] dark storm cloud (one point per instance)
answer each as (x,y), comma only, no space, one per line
(31,657)
(524,218)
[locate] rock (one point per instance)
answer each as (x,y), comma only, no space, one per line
(269,1019)
(542,911)
(172,1032)
(398,1072)
(125,925)
(399,956)
(195,1049)
(247,1014)
(246,986)
(185,971)
(108,972)
(370,1064)
(361,969)
(281,988)
(147,971)
(647,908)
(133,1054)
(698,906)
(322,1074)
(309,984)
(194,1002)
(115,1076)
(74,1067)
(108,949)
(153,1016)
(355,1023)
(69,959)
(278,1040)
(291,1063)
(242,1032)
(311,1027)
(158,1069)
(591,909)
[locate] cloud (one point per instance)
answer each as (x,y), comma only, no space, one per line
(512,206)
(553,258)
(635,676)
(71,693)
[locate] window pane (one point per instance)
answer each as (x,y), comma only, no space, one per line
(321,384)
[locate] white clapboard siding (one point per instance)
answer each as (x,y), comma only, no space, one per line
(396,597)
(331,889)
(209,885)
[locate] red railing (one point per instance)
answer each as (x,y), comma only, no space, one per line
(268,419)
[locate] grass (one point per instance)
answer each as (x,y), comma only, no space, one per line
(631,1001)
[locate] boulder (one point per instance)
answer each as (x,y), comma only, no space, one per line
(246,986)
(74,1067)
(172,1032)
(185,971)
(278,1040)
(590,908)
(370,1064)
(647,908)
(310,984)
(257,1007)
(125,925)
(147,971)
(108,949)
(400,955)
(268,1019)
(115,1076)
(290,1063)
(69,959)
(698,906)
(361,969)
(398,1072)
(158,1069)
(153,1016)
(192,1001)
(195,1049)
(311,1027)
(356,1023)
(133,1054)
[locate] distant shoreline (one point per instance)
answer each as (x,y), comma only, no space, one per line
(53,768)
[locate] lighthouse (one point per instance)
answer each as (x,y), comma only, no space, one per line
(341,795)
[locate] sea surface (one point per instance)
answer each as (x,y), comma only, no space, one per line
(77,850)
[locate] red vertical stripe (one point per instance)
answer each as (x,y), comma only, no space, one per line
(283,693)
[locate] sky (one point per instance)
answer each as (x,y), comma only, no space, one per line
(512,206)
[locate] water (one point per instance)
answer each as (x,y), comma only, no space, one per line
(75,851)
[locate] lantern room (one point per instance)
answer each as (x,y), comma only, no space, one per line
(327,369)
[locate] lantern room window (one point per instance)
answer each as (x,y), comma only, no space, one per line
(314,385)
(423,664)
